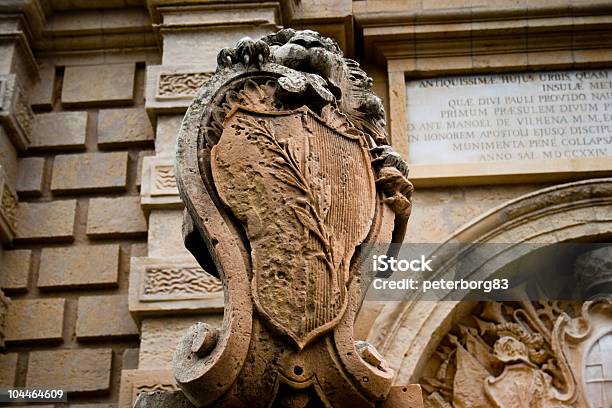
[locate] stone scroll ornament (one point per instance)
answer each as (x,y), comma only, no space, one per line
(285,170)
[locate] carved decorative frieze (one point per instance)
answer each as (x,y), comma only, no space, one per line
(180,85)
(159,188)
(15,111)
(176,282)
(8,209)
(172,285)
(171,88)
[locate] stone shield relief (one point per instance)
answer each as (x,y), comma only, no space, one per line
(285,172)
(305,195)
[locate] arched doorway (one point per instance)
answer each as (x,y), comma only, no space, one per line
(418,337)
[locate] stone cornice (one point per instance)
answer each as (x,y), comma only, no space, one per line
(484,31)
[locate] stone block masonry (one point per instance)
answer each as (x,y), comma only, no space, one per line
(81,266)
(100,85)
(90,171)
(112,310)
(30,176)
(15,270)
(46,221)
(79,221)
(124,127)
(59,131)
(35,320)
(115,217)
(78,370)
(8,369)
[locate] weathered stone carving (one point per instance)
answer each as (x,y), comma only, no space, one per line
(518,354)
(8,209)
(285,170)
(15,112)
(179,281)
(165,180)
(594,271)
(172,286)
(178,85)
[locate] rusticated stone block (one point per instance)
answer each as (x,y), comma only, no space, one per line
(117,127)
(49,221)
(15,270)
(95,265)
(41,95)
(71,370)
(109,217)
(8,369)
(30,176)
(98,84)
(59,131)
(35,319)
(104,316)
(90,171)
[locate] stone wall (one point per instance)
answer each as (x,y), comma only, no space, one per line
(79,223)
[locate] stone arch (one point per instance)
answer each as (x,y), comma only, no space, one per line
(408,333)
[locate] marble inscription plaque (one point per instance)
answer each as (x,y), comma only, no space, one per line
(510,117)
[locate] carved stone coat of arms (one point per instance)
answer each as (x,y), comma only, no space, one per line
(285,171)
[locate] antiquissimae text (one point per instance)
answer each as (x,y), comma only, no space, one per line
(424,286)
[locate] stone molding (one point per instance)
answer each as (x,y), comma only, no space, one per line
(158,189)
(172,286)
(468,31)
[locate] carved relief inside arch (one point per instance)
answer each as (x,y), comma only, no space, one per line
(520,354)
